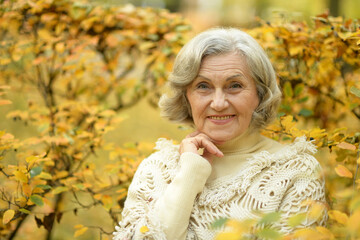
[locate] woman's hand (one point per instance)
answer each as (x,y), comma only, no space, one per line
(195,141)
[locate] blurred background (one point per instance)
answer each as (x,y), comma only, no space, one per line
(142,122)
(208,13)
(203,14)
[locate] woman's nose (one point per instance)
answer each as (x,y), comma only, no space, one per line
(219,101)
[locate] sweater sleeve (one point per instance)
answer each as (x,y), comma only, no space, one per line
(159,207)
(175,205)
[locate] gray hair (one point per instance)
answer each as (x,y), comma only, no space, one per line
(175,105)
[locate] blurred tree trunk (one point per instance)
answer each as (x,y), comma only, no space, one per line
(334,6)
(260,6)
(172,5)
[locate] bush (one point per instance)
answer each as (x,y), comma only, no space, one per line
(77,65)
(318,68)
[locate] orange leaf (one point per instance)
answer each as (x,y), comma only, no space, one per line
(81,231)
(8,215)
(5,102)
(343,171)
(27,189)
(348,146)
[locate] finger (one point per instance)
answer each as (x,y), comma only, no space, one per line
(210,147)
(193,134)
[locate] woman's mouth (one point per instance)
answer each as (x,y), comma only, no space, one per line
(221,119)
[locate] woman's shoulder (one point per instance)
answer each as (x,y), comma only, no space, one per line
(162,162)
(300,152)
(165,152)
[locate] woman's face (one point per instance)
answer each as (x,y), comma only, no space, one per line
(223,97)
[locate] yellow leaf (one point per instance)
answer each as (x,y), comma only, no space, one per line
(61,174)
(107,201)
(45,35)
(227,236)
(27,189)
(60,47)
(353,223)
(8,215)
(21,201)
(325,232)
(20,176)
(343,171)
(5,61)
(5,102)
(60,190)
(77,226)
(144,229)
(38,190)
(316,211)
(31,159)
(113,155)
(346,193)
(338,216)
(97,196)
(287,122)
(295,50)
(80,232)
(45,175)
(348,146)
(307,233)
(122,193)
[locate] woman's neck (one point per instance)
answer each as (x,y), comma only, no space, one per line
(247,142)
(238,150)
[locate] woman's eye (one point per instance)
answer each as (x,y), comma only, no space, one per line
(202,86)
(236,85)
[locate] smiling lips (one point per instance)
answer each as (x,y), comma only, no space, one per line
(221,119)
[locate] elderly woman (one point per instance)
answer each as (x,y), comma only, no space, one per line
(224,85)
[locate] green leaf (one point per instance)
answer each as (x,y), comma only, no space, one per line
(286,107)
(35,171)
(288,91)
(45,187)
(355,91)
(219,223)
(298,89)
(302,100)
(268,233)
(23,210)
(60,190)
(182,28)
(270,218)
(281,114)
(306,112)
(37,200)
(297,219)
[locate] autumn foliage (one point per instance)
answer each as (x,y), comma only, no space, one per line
(78,65)
(318,67)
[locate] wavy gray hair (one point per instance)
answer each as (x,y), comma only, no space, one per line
(175,106)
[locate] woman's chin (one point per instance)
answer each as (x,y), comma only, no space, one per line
(221,138)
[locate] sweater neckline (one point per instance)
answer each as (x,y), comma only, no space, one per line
(247,142)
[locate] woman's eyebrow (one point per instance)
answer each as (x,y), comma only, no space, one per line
(200,76)
(227,79)
(235,76)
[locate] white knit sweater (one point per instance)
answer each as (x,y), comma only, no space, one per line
(179,197)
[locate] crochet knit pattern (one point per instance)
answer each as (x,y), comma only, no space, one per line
(267,182)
